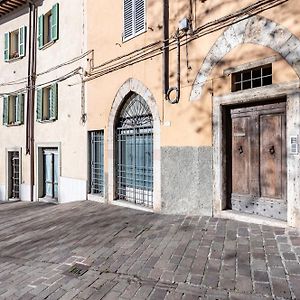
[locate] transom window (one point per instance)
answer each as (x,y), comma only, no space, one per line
(134,16)
(252,78)
(13,110)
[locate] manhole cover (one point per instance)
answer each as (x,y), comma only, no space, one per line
(77,270)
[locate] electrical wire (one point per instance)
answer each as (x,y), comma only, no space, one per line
(136,56)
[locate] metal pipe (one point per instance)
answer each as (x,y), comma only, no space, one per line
(32,96)
(166,58)
(29,81)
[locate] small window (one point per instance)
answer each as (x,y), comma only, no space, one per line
(14,44)
(48,27)
(252,78)
(134,18)
(96,162)
(13,110)
(47,99)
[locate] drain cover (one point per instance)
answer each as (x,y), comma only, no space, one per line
(77,270)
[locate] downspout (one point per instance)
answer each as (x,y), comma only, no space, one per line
(28,116)
(32,96)
(166,58)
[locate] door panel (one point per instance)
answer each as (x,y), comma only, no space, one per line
(240,156)
(271,156)
(258,160)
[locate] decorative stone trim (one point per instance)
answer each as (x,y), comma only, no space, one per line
(255,30)
(134,85)
(291,92)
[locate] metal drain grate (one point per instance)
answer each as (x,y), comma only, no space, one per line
(77,270)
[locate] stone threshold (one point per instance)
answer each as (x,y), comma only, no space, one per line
(127,204)
(249,218)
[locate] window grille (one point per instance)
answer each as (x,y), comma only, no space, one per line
(96,140)
(134,139)
(252,78)
(15,175)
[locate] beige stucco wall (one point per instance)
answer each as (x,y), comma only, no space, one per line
(187,123)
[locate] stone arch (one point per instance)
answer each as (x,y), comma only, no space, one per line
(136,86)
(255,30)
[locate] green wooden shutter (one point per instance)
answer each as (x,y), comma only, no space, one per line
(41,31)
(53,102)
(6,46)
(39,105)
(22,41)
(55,22)
(5,110)
(20,109)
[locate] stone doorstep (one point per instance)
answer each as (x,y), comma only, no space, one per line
(249,218)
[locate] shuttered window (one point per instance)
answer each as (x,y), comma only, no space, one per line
(48,29)
(47,104)
(13,110)
(134,18)
(14,44)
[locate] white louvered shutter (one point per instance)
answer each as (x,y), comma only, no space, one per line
(139,16)
(128,30)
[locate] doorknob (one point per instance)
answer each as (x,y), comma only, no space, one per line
(272,150)
(240,149)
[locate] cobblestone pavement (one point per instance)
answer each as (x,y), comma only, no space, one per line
(138,255)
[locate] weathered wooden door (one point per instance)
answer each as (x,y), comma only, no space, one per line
(258,160)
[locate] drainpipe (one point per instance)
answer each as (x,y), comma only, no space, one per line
(31,92)
(166,48)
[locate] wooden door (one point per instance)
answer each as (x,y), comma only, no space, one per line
(258,160)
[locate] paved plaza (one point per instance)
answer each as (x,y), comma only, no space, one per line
(138,255)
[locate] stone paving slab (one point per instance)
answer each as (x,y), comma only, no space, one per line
(139,255)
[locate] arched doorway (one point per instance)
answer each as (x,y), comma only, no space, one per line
(134,152)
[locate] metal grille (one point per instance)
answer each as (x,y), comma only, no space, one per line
(135,152)
(252,78)
(15,178)
(97,162)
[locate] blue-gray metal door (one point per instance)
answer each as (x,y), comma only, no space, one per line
(134,161)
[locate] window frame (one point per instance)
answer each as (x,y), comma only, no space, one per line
(18,37)
(15,105)
(134,34)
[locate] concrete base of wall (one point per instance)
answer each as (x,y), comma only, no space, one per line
(187,186)
(2,192)
(71,189)
(25,192)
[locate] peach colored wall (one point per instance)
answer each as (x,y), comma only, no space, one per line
(187,123)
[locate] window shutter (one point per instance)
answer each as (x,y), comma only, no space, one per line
(6,46)
(41,31)
(53,102)
(139,16)
(5,110)
(22,41)
(55,22)
(20,109)
(128,19)
(39,105)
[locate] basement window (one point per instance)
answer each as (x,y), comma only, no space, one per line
(251,78)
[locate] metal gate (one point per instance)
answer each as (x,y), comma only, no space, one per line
(15,175)
(97,162)
(134,161)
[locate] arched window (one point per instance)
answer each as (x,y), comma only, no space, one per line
(134,155)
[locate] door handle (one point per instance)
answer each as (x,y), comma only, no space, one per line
(272,150)
(240,149)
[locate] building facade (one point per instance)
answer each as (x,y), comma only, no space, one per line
(210,126)
(178,107)
(41,61)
